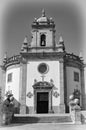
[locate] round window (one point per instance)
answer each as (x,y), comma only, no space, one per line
(43,68)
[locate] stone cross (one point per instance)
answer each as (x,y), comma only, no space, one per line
(43,78)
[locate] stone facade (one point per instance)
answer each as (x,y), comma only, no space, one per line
(54,82)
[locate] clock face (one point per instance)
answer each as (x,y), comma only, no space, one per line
(43,68)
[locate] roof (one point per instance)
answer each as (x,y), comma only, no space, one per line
(43,18)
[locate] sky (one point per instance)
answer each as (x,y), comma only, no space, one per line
(16,17)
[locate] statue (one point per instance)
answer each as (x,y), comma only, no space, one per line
(77,94)
(8,108)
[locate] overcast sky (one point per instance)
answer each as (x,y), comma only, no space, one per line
(16,17)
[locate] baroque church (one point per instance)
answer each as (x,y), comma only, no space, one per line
(43,75)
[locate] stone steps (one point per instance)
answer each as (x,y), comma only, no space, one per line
(42,118)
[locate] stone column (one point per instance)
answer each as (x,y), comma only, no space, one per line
(83,90)
(22,92)
(62,105)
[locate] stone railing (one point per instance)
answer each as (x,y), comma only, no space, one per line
(72,56)
(12,60)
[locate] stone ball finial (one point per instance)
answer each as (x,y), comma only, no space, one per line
(51,19)
(35,81)
(71,97)
(76,101)
(51,80)
(61,39)
(35,19)
(5,55)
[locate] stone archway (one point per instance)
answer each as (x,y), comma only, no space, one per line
(43,97)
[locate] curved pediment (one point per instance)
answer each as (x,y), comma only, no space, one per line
(44,84)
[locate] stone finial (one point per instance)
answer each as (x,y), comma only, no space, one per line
(51,19)
(35,19)
(80,55)
(25,40)
(71,97)
(61,39)
(35,81)
(51,81)
(5,55)
(43,13)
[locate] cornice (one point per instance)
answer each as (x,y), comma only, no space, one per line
(68,59)
(40,26)
(72,60)
(44,55)
(43,85)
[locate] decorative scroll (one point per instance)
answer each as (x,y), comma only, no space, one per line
(29,94)
(55,94)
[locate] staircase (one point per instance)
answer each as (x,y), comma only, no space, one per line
(42,118)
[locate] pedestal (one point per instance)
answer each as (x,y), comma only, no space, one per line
(76,115)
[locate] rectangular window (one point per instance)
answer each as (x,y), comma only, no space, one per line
(9,78)
(76,76)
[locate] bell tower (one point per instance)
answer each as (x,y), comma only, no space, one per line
(43,33)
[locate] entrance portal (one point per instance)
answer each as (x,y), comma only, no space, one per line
(42,102)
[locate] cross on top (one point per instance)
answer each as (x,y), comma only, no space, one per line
(43,78)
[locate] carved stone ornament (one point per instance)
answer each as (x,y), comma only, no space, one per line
(29,94)
(55,94)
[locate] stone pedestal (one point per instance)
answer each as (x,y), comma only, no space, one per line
(76,114)
(61,108)
(6,118)
(71,106)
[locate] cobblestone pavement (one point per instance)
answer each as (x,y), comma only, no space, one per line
(44,126)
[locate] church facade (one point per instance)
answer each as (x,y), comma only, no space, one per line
(43,76)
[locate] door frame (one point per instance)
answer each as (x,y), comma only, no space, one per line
(49,99)
(40,101)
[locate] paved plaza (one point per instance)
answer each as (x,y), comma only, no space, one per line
(44,126)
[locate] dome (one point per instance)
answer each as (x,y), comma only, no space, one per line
(43,18)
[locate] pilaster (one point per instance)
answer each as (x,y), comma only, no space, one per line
(3,83)
(83,90)
(22,92)
(62,105)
